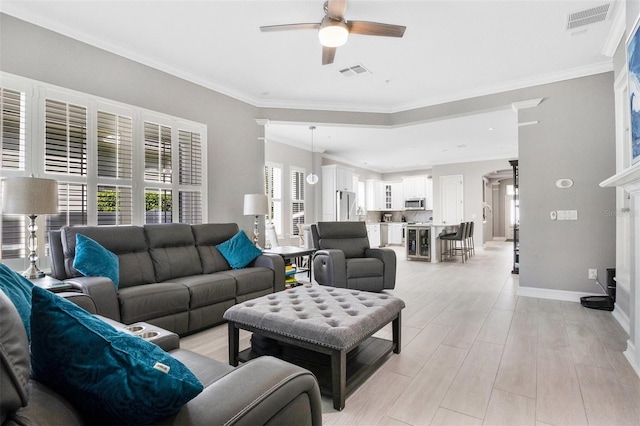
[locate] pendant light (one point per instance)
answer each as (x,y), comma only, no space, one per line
(312,178)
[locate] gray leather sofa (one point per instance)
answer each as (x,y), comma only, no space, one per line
(263,391)
(171,275)
(344,258)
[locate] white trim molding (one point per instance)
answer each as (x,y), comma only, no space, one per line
(547,293)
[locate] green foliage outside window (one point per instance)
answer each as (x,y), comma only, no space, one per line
(108,201)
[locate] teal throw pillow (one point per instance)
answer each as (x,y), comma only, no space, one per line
(18,290)
(238,250)
(93,260)
(113,377)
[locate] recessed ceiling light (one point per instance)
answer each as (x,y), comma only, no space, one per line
(461,146)
(490,129)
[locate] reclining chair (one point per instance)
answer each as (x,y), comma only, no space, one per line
(344,258)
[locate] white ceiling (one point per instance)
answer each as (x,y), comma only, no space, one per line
(451,50)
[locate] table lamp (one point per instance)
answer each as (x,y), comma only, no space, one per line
(255,205)
(31,196)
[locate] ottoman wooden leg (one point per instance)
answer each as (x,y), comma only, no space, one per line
(396,327)
(338,378)
(234,343)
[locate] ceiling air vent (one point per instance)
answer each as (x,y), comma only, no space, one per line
(587,16)
(354,70)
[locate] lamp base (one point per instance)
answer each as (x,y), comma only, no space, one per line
(33,272)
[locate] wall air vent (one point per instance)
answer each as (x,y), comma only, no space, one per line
(587,16)
(354,70)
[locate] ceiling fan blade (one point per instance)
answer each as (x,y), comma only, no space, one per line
(288,27)
(375,28)
(328,53)
(336,8)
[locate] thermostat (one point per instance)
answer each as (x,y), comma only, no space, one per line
(564,183)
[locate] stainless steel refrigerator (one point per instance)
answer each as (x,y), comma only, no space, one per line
(346,206)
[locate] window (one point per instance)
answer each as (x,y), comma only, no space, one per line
(115,164)
(12,113)
(297,200)
(273,189)
(12,158)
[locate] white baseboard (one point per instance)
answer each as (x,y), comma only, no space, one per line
(547,293)
(622,319)
(632,357)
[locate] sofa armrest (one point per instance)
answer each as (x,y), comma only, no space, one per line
(81,299)
(388,258)
(103,293)
(276,264)
(265,389)
(330,268)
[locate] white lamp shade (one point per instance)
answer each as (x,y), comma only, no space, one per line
(332,33)
(29,195)
(255,204)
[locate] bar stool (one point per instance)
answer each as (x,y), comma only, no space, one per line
(470,242)
(453,239)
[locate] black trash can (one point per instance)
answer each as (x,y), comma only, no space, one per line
(611,283)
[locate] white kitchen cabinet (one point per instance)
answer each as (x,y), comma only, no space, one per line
(334,178)
(429,194)
(397,199)
(378,234)
(395,233)
(414,186)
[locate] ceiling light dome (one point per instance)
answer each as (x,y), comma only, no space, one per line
(333,33)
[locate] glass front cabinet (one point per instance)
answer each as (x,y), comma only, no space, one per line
(419,242)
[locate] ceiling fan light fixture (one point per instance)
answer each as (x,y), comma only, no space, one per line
(333,33)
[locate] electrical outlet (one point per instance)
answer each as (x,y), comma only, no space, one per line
(593,274)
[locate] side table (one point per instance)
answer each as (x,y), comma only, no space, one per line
(52,284)
(292,252)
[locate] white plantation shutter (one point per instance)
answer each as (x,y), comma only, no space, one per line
(12,128)
(273,189)
(65,138)
(190,158)
(115,164)
(190,207)
(297,200)
(115,142)
(12,154)
(157,153)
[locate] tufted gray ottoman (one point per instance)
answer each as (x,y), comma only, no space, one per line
(328,320)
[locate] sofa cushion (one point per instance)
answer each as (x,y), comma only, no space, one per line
(364,267)
(172,249)
(207,237)
(14,359)
(207,289)
(350,237)
(145,302)
(127,242)
(251,280)
(18,289)
(113,376)
(239,250)
(93,260)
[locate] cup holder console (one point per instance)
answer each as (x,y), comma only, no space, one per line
(148,334)
(135,328)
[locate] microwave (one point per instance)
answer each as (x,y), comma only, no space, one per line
(414,204)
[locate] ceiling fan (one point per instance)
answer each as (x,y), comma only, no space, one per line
(334,29)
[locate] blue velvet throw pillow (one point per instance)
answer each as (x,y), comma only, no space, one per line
(18,290)
(113,377)
(238,250)
(93,260)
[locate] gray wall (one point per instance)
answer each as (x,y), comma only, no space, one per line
(574,139)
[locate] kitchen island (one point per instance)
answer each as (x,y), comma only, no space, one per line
(423,242)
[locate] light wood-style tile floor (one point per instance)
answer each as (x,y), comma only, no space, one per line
(474,353)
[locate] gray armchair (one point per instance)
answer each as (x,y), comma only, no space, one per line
(344,258)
